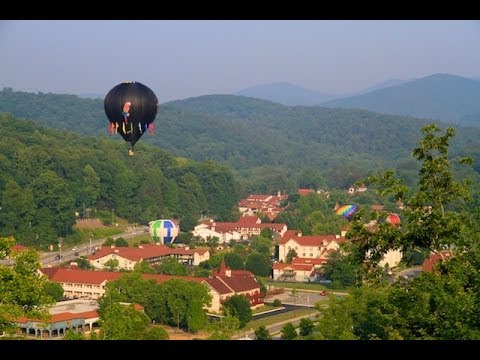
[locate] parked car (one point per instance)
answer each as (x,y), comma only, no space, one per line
(323,293)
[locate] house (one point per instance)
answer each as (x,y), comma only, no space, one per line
(268,205)
(77,315)
(313,246)
(430,263)
(300,269)
(357,189)
(225,283)
(128,257)
(304,192)
(243,229)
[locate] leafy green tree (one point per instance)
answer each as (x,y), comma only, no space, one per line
(170,266)
(51,194)
(21,289)
(428,222)
(123,322)
(143,267)
(55,290)
(288,332)
(84,263)
(262,333)
(223,329)
(17,209)
(112,264)
(156,333)
(277,302)
(258,264)
(121,242)
(109,242)
(91,186)
(179,303)
(337,321)
(290,255)
(262,246)
(306,327)
(212,263)
(438,305)
(234,261)
(73,335)
(238,306)
(342,270)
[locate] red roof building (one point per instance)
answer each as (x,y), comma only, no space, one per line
(128,257)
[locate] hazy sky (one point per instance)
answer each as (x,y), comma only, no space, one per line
(180,59)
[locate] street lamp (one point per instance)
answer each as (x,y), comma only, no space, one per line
(60,250)
(178,319)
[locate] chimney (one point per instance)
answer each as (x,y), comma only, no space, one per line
(116,250)
(157,243)
(337,236)
(344,232)
(299,234)
(140,246)
(187,247)
(112,246)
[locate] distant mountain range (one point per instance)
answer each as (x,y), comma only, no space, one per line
(286,94)
(291,95)
(443,97)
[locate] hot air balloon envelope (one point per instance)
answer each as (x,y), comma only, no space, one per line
(393,219)
(163,231)
(346,211)
(131,108)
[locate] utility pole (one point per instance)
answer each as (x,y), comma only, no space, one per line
(60,250)
(113,216)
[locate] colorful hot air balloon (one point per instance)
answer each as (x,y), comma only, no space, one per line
(393,219)
(131,108)
(163,231)
(346,211)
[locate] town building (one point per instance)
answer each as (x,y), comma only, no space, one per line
(224,283)
(153,254)
(268,205)
(245,228)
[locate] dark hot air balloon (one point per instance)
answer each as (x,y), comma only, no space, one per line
(131,108)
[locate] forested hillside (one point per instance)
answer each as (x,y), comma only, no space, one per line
(47,175)
(440,97)
(270,147)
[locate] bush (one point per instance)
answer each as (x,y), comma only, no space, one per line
(277,302)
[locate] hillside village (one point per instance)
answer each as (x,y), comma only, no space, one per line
(310,254)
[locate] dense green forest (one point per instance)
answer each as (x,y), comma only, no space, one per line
(47,175)
(269,146)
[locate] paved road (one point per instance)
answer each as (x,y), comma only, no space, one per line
(49,258)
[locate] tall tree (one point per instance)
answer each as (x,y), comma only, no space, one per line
(91,186)
(238,306)
(21,287)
